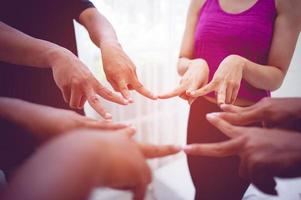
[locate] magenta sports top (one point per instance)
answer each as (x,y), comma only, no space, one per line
(248,34)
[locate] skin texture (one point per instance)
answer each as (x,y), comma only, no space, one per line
(118,67)
(273,112)
(264,153)
(72,77)
(234,68)
(47,122)
(196,76)
(83,160)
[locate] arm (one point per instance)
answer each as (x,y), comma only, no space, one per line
(227,79)
(79,161)
(286,32)
(194,72)
(73,78)
(187,47)
(47,122)
(264,153)
(119,69)
(19,48)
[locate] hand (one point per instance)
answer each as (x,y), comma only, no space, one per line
(195,77)
(121,71)
(78,84)
(264,153)
(225,82)
(47,122)
(271,111)
(128,169)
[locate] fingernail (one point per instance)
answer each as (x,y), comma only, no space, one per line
(108,116)
(131,100)
(213,115)
(192,93)
(187,149)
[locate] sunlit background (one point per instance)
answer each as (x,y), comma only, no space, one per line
(150,31)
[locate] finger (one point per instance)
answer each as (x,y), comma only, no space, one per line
(66,94)
(76,96)
(129,131)
(96,105)
(221,94)
(210,87)
(155,151)
(139,192)
(176,92)
(232,108)
(229,93)
(240,119)
(228,129)
(82,102)
(142,90)
(104,125)
(124,90)
(222,149)
(234,94)
(109,95)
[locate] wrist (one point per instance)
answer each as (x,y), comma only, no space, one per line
(109,42)
(56,54)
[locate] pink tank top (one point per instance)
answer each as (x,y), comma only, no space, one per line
(248,34)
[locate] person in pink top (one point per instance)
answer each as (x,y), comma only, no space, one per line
(233,52)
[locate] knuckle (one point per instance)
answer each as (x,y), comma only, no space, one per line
(93,99)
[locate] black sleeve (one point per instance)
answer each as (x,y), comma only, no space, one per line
(79,6)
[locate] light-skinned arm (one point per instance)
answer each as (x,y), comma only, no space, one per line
(118,67)
(73,78)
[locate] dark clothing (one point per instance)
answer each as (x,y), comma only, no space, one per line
(214,178)
(50,20)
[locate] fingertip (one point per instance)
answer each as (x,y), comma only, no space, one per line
(188,149)
(212,116)
(108,116)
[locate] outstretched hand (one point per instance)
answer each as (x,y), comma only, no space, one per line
(273,112)
(264,153)
(195,77)
(79,85)
(225,82)
(121,71)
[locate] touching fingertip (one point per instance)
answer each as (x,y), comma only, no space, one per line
(108,116)
(212,115)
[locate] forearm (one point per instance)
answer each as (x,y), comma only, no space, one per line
(98,27)
(263,76)
(19,48)
(22,113)
(67,169)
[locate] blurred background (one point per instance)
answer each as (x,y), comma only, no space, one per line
(150,31)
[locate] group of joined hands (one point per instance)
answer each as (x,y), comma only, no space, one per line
(79,85)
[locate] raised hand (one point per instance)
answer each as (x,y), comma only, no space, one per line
(264,153)
(225,82)
(195,77)
(78,84)
(121,71)
(273,112)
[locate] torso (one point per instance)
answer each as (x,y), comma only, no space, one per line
(244,28)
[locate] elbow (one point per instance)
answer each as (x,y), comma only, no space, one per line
(278,83)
